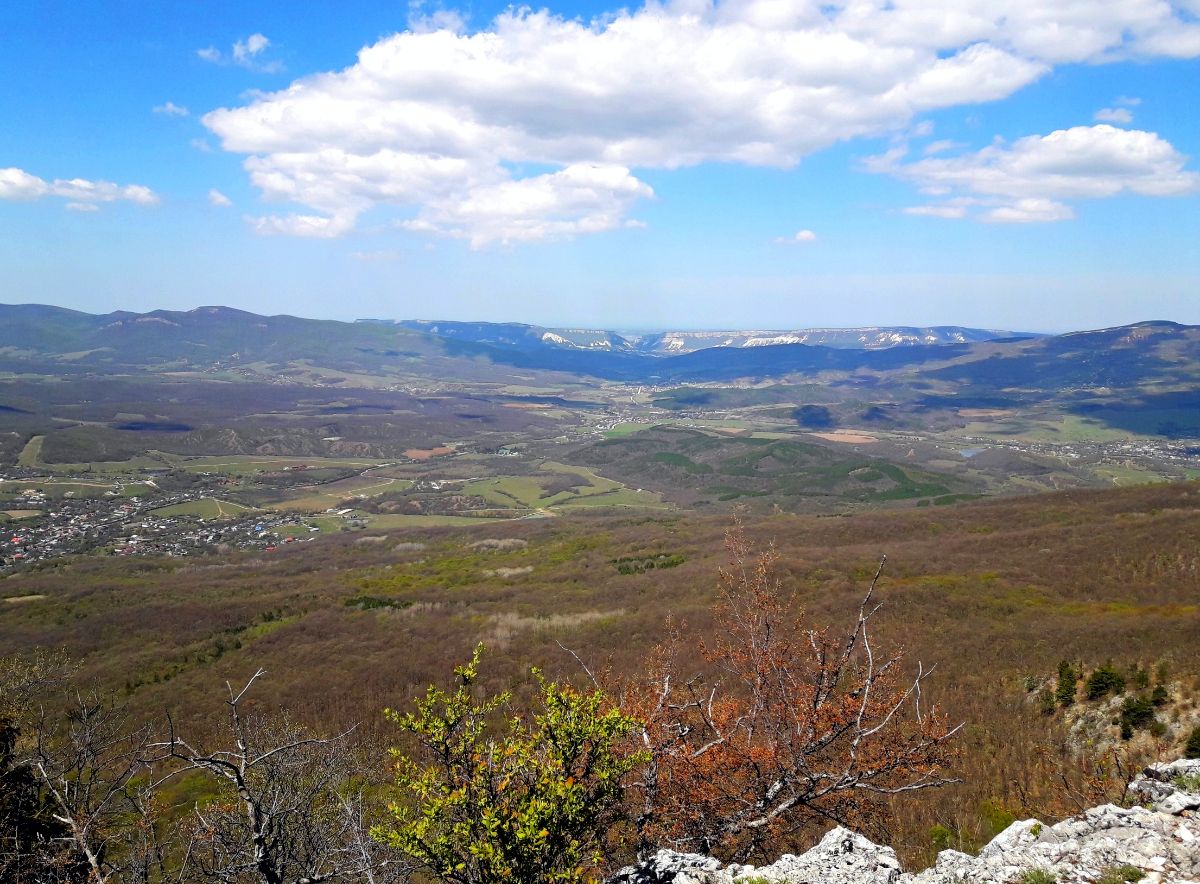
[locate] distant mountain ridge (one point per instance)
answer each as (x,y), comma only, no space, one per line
(676,343)
(55,341)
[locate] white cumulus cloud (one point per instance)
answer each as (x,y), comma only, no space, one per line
(1030,210)
(946,210)
(245,53)
(1029,179)
(436,120)
(1114,115)
(557,205)
(81,193)
(800,236)
(17,184)
(216,198)
(170,109)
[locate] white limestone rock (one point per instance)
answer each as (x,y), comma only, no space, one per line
(1162,839)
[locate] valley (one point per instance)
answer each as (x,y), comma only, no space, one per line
(152,458)
(354,518)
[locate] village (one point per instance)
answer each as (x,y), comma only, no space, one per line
(124,526)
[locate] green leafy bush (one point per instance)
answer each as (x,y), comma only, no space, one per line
(942,837)
(500,797)
(1103,681)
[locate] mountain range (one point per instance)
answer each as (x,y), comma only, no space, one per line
(676,343)
(53,340)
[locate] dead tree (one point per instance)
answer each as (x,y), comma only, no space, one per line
(90,764)
(787,724)
(289,812)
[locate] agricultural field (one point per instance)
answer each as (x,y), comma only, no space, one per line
(556,486)
(205,508)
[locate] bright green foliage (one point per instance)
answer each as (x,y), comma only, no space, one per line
(501,797)
(942,837)
(996,815)
(1065,692)
(1104,681)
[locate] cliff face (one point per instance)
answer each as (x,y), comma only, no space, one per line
(1159,838)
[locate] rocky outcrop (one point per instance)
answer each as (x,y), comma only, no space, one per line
(1160,838)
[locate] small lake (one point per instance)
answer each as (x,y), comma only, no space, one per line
(155,427)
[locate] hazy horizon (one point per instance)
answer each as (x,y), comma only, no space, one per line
(624,329)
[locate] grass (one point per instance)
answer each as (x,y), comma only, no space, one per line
(1122,475)
(393,522)
(628,429)
(508,491)
(31,454)
(1064,429)
(623,497)
(250,465)
(206,508)
(1187,783)
(1123,874)
(335,493)
(58,488)
(537,492)
(1036,876)
(131,467)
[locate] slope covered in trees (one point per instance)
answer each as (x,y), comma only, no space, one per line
(998,593)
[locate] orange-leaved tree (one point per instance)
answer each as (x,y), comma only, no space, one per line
(786,724)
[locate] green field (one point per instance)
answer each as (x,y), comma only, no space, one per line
(1122,475)
(31,454)
(394,522)
(622,497)
(546,492)
(1063,429)
(250,465)
(334,493)
(206,508)
(626,430)
(57,488)
(17,515)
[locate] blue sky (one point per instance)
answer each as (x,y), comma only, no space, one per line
(763,163)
